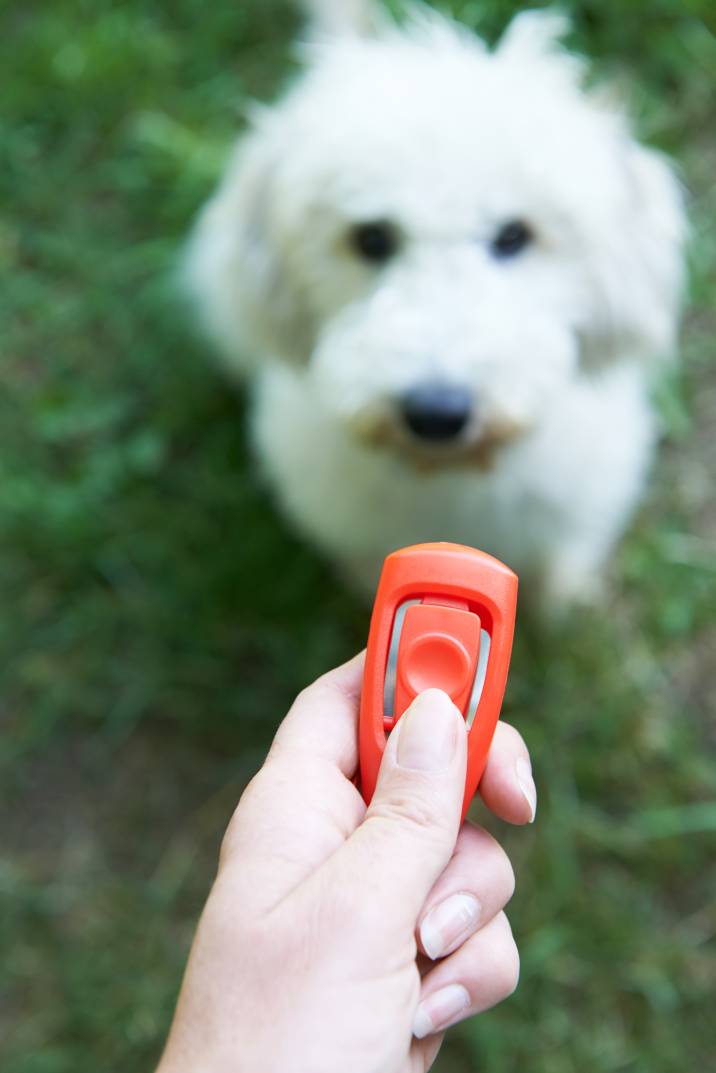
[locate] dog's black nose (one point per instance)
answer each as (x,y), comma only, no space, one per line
(437,412)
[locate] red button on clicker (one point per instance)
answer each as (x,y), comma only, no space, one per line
(439,649)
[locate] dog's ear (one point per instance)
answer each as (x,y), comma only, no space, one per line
(334,17)
(638,263)
(533,43)
(236,260)
(535,33)
(636,254)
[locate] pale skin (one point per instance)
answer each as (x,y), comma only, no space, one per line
(340,937)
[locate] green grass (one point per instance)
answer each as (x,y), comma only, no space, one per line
(157,617)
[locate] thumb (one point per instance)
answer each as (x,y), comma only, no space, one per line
(409,832)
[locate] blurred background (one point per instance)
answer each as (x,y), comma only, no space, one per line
(156,617)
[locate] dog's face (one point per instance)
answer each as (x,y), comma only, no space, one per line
(441,238)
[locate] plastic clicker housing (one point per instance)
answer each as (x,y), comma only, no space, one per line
(444,617)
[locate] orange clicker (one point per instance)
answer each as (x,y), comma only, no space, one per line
(444,617)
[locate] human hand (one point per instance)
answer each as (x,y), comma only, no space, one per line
(337,937)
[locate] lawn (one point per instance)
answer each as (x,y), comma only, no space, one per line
(156,616)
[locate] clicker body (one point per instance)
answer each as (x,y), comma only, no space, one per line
(444,618)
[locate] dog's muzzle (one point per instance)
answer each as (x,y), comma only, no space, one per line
(437,424)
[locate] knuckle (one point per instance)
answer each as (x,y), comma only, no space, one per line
(229,840)
(487,858)
(307,695)
(248,812)
(507,875)
(416,811)
(508,965)
(323,689)
(512,739)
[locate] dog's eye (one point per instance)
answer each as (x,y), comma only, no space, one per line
(376,241)
(511,239)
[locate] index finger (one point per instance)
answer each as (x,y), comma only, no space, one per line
(323,720)
(301,805)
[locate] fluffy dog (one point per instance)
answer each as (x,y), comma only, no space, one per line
(449,274)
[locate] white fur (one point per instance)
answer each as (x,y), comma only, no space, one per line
(423,125)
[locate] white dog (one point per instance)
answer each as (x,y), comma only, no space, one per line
(449,273)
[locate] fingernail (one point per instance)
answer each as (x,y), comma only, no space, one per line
(449,924)
(428,733)
(440,1010)
(527,785)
